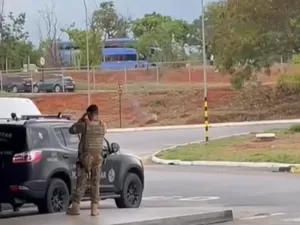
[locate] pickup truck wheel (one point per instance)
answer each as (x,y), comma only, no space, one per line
(132,192)
(56,198)
(35,89)
(15,89)
(16,207)
(57,88)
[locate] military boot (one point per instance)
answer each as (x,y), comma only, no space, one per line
(94,209)
(74,210)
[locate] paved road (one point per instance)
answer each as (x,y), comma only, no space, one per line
(290,218)
(255,196)
(147,142)
(248,192)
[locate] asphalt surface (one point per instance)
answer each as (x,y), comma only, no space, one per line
(256,196)
(145,143)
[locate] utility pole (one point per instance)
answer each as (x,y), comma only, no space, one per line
(87,50)
(1,35)
(204,72)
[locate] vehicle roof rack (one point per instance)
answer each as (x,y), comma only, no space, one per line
(47,116)
(43,116)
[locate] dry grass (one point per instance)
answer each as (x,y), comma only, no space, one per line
(284,149)
(140,87)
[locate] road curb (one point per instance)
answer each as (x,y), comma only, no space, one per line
(276,167)
(293,169)
(193,219)
(212,125)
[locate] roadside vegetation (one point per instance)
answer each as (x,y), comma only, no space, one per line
(284,149)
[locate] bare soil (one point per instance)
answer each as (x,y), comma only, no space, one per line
(138,109)
(170,107)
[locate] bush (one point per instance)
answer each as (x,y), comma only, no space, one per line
(240,77)
(256,97)
(296,59)
(289,83)
(295,128)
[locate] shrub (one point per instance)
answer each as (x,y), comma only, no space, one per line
(290,83)
(295,128)
(296,59)
(256,97)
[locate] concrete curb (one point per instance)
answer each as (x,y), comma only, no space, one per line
(276,167)
(234,124)
(193,219)
(293,169)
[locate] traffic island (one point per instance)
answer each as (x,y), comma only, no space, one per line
(277,148)
(141,216)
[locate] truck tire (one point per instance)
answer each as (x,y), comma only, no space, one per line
(56,198)
(57,88)
(132,192)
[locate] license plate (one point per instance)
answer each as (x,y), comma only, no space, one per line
(69,86)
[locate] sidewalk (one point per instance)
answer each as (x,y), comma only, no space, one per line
(141,216)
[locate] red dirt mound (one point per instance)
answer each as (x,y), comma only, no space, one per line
(139,109)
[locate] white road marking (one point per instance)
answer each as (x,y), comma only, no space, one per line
(254,217)
(181,198)
(292,220)
(262,216)
(161,198)
(199,198)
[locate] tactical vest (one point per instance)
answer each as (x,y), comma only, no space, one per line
(93,137)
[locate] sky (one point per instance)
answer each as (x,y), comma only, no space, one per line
(69,11)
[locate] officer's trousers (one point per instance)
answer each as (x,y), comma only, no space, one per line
(90,169)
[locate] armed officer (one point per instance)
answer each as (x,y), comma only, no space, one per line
(92,131)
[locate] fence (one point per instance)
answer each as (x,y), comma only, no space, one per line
(147,101)
(164,75)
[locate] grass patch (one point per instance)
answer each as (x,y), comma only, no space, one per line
(141,87)
(9,94)
(295,128)
(284,149)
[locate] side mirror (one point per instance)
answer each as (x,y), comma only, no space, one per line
(114,147)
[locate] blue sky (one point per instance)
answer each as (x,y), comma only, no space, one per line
(69,11)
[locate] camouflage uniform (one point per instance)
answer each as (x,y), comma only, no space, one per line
(90,161)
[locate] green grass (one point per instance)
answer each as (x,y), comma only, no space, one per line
(140,87)
(295,128)
(10,94)
(233,149)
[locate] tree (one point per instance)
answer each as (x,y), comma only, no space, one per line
(78,36)
(195,35)
(15,47)
(52,36)
(107,20)
(246,35)
(162,32)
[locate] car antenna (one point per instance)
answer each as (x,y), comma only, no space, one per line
(59,115)
(14,116)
